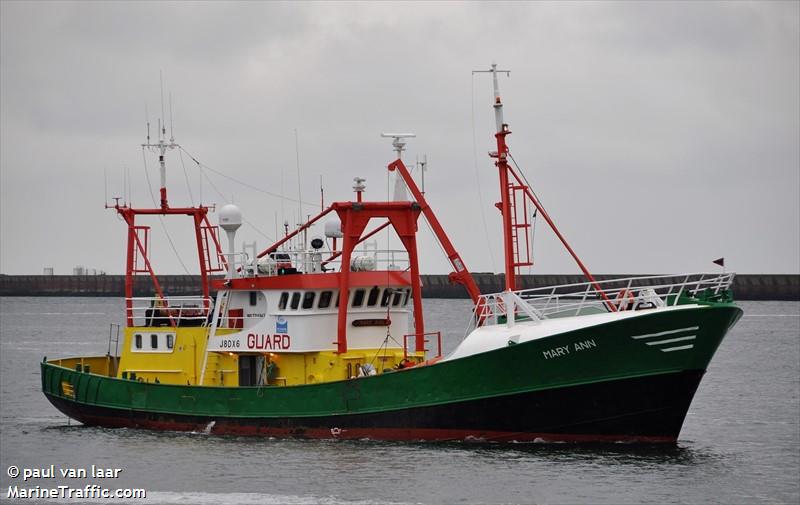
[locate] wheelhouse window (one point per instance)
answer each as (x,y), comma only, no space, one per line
(358,298)
(325,299)
(138,342)
(295,300)
(308,299)
(253,298)
(154,341)
(387,293)
(398,297)
(283,300)
(408,295)
(372,299)
(170,340)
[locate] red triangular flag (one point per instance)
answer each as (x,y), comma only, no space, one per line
(720,262)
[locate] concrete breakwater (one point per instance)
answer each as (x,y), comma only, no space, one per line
(745,286)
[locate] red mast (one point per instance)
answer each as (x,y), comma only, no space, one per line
(515,220)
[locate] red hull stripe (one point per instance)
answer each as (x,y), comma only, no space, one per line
(221,427)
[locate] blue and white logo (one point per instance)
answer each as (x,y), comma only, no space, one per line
(281,325)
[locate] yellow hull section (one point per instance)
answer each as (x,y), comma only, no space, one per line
(171,355)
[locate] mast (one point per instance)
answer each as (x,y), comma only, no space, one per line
(399,144)
(514,190)
(501,156)
(138,251)
(161,147)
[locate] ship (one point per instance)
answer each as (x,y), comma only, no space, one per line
(323,336)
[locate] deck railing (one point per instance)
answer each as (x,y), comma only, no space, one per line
(629,293)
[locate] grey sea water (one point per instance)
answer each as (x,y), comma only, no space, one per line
(740,442)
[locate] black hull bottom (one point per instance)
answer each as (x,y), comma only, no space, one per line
(644,409)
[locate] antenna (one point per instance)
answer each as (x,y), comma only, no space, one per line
(397,143)
(321,194)
(105,185)
(200,176)
(283,195)
(297,161)
(162,129)
(162,145)
(126,177)
(147,120)
(171,130)
(422,164)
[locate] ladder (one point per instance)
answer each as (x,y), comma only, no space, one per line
(219,310)
(520,227)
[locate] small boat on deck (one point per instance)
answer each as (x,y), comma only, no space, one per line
(326,338)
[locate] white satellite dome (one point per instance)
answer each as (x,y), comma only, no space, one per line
(230,217)
(333,228)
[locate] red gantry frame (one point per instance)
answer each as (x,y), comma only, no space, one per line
(402,216)
(138,260)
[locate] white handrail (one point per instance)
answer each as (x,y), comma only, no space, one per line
(575,299)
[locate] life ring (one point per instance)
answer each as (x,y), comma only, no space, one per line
(625,299)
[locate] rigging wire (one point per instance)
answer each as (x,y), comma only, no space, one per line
(522,174)
(246,184)
(536,211)
(297,161)
(478,180)
(224,199)
(436,239)
(161,218)
(186,176)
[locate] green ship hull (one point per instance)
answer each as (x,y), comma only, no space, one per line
(630,379)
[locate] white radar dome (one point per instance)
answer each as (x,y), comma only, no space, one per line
(230,217)
(333,228)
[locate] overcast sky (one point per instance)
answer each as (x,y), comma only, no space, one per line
(660,136)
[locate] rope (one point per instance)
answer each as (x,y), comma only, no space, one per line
(478,179)
(186,176)
(247,184)
(522,174)
(536,211)
(222,196)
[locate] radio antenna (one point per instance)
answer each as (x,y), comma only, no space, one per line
(162,145)
(422,166)
(147,121)
(163,129)
(297,161)
(171,129)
